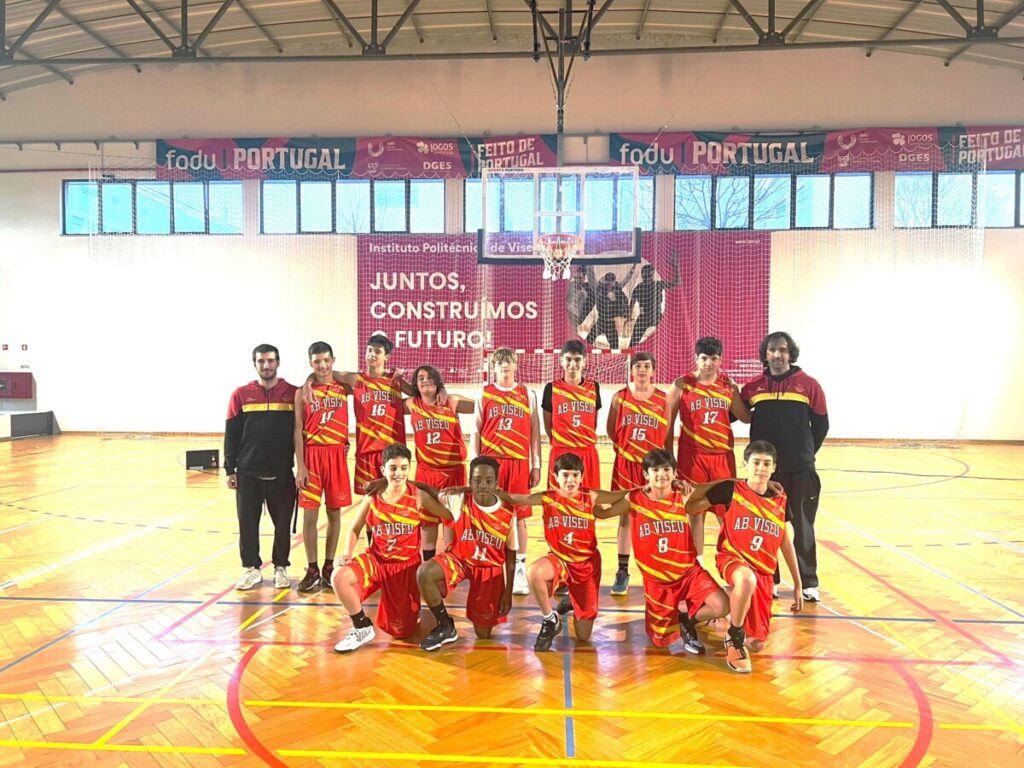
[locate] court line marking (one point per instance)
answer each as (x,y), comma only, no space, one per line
(570,728)
(925,724)
(122,747)
(245,624)
(495,760)
(525,711)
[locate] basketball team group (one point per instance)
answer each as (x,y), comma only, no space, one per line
(286,446)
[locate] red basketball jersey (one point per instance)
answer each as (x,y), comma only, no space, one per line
(480,534)
(641,424)
(573,414)
(753,527)
(569,526)
(326,418)
(395,527)
(437,434)
(380,415)
(704,415)
(662,543)
(506,426)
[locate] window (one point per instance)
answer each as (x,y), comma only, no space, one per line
(426,205)
(148,207)
(352,206)
(693,202)
(772,201)
(316,209)
(954,200)
(997,193)
(813,200)
(913,200)
(852,196)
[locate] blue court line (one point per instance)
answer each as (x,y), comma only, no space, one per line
(570,729)
(121,604)
(520,608)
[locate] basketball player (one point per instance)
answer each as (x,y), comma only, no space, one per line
(570,414)
(678,591)
(258,449)
(508,428)
(649,296)
(390,562)
(321,446)
(574,559)
(755,527)
(706,402)
(483,551)
(636,425)
(437,434)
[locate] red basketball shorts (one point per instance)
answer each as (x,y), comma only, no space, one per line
(367,468)
(663,602)
(486,586)
(582,579)
(591,465)
(328,477)
(697,467)
(399,608)
(627,474)
(760,614)
(514,477)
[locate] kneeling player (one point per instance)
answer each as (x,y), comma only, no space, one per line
(677,589)
(574,559)
(483,551)
(755,527)
(389,565)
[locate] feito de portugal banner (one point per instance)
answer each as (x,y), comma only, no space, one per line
(429,295)
(383,157)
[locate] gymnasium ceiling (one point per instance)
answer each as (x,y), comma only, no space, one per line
(53,40)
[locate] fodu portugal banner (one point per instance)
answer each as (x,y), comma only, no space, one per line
(854,149)
(379,157)
(440,307)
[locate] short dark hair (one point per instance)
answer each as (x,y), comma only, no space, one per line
(395,451)
(484,461)
(263,349)
(641,357)
(319,347)
(573,347)
(658,457)
(760,446)
(432,372)
(708,345)
(569,462)
(776,336)
(647,270)
(382,341)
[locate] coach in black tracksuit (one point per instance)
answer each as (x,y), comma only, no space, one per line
(258,456)
(788,410)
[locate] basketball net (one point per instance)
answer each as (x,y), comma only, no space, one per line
(557,250)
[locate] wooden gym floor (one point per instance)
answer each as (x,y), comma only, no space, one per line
(123,642)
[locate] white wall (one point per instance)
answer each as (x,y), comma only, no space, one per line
(151,334)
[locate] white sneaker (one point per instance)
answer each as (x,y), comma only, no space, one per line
(520,586)
(251,577)
(357,637)
(811,595)
(281,580)
(775,591)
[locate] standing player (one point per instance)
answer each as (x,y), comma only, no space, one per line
(390,563)
(570,414)
(258,449)
(649,296)
(677,589)
(706,401)
(437,434)
(321,446)
(483,551)
(636,425)
(508,428)
(789,411)
(755,527)
(573,559)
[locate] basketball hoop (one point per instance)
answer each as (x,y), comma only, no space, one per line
(558,250)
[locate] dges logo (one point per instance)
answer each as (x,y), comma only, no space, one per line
(898,139)
(422,148)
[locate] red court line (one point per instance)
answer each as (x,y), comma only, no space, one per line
(837,549)
(234,701)
(925,721)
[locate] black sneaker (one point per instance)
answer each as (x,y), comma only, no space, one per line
(548,631)
(442,634)
(621,585)
(564,606)
(563,589)
(311,581)
(325,576)
(691,640)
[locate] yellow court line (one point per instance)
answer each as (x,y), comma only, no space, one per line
(104,699)
(495,760)
(144,706)
(982,727)
(552,711)
(280,596)
(123,747)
